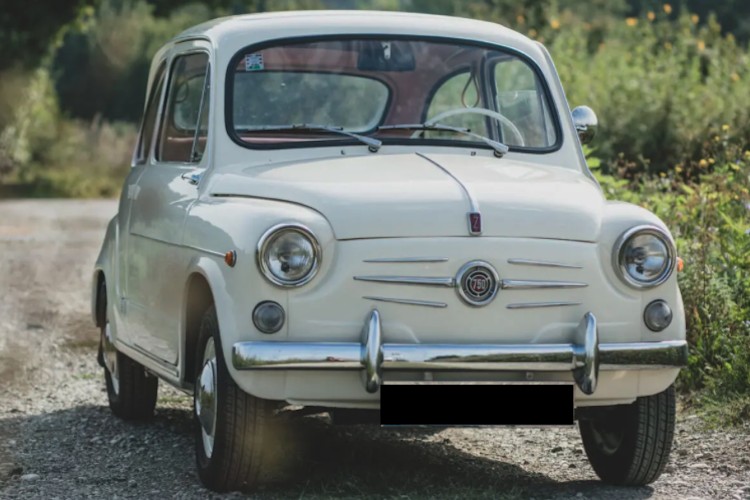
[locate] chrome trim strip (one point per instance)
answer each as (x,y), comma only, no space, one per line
(542,263)
(410,302)
(584,358)
(536,284)
(533,305)
(178,245)
(384,260)
(473,203)
(410,280)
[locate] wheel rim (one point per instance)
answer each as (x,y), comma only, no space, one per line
(205,398)
(110,359)
(607,436)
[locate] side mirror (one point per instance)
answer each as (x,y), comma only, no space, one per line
(586,123)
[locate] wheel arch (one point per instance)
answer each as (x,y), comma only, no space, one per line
(98,302)
(205,285)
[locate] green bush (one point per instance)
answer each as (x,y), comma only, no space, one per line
(709,220)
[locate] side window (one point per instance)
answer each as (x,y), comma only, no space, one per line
(183,133)
(520,98)
(457,92)
(149,118)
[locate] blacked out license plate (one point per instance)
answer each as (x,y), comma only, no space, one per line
(442,404)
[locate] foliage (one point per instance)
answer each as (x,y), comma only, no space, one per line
(709,218)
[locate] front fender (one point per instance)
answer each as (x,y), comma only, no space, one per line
(218,225)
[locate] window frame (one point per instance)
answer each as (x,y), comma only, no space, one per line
(544,101)
(141,157)
(162,116)
(340,141)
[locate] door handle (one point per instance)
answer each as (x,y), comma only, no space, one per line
(193,178)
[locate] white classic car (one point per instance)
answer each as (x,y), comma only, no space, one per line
(382,211)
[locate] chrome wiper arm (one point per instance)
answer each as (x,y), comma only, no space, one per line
(372,143)
(500,148)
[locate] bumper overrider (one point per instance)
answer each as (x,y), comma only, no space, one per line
(585,358)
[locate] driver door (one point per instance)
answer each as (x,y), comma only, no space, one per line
(163,195)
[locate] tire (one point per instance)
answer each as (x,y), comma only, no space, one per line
(231,448)
(130,389)
(629,445)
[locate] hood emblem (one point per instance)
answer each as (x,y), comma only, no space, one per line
(477,283)
(475,223)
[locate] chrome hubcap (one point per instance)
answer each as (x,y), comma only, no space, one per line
(205,398)
(110,358)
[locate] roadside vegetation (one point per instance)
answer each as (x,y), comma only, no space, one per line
(671,86)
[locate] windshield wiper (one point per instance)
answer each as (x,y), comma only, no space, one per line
(500,148)
(372,143)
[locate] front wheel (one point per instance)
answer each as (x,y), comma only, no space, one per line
(630,444)
(232,436)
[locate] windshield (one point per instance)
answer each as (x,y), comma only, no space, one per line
(384,88)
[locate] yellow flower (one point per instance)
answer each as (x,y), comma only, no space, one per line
(735,77)
(701,45)
(695,18)
(555,24)
(651,16)
(747,155)
(631,21)
(667,8)
(717,138)
(678,169)
(520,19)
(725,127)
(711,161)
(703,163)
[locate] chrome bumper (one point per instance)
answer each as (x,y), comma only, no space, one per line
(584,358)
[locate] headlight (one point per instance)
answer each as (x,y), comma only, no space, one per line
(644,257)
(288,255)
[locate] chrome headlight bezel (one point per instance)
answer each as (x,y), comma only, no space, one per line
(621,245)
(270,236)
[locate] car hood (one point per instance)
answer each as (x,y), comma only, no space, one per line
(415,195)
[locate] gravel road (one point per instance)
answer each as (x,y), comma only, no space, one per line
(58,438)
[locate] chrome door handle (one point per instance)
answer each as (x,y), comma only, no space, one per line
(193,178)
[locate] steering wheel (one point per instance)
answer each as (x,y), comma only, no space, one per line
(485,112)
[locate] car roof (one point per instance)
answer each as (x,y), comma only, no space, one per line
(227,31)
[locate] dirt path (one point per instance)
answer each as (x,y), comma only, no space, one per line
(58,439)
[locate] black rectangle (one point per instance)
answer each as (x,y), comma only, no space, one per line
(480,404)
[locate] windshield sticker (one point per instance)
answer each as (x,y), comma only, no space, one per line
(254,62)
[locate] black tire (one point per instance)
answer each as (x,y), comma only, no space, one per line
(629,445)
(243,424)
(131,391)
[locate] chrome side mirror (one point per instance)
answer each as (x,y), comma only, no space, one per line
(586,123)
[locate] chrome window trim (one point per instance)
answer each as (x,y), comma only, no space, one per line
(620,245)
(263,246)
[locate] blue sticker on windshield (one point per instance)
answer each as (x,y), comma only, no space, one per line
(254,62)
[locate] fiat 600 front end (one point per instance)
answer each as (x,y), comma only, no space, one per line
(326,208)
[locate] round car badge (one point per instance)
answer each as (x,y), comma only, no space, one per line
(477,283)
